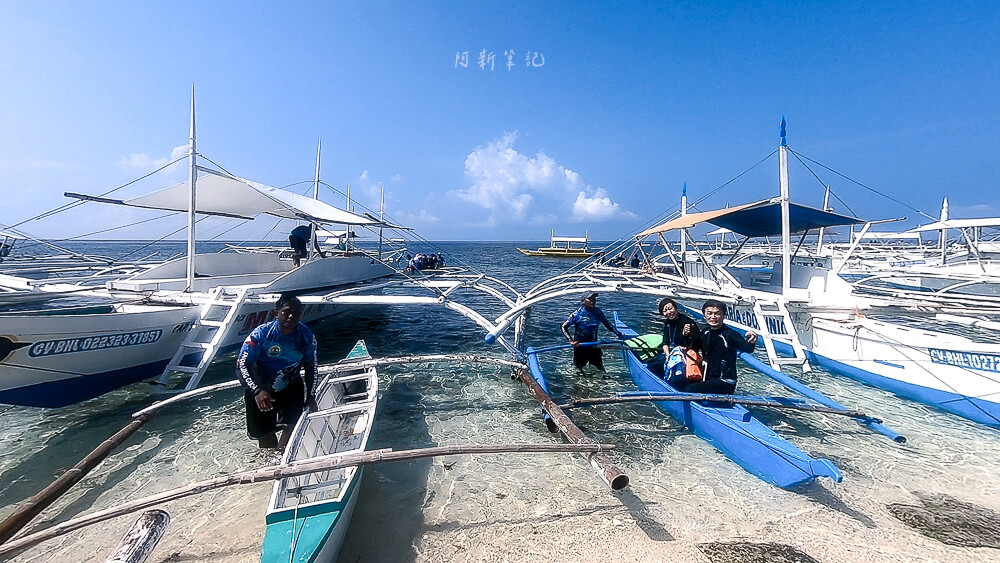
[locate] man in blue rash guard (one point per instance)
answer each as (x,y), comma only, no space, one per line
(719,346)
(585,322)
(269,366)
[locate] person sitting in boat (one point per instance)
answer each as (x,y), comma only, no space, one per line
(585,322)
(440,258)
(719,345)
(297,240)
(678,329)
(270,366)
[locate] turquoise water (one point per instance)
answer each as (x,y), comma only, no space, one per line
(683,492)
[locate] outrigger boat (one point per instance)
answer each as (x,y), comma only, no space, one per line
(808,314)
(563,250)
(308,516)
(729,427)
(171,319)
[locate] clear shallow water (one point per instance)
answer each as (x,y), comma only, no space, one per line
(683,492)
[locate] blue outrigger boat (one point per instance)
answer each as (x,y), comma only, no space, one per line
(308,515)
(728,427)
(732,429)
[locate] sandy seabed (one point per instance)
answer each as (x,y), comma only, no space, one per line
(463,518)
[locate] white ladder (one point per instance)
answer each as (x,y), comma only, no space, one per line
(209,330)
(777,310)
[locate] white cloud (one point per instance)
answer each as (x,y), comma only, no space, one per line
(423,218)
(142,162)
(597,208)
(515,188)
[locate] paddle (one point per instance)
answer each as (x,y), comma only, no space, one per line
(603,344)
(728,399)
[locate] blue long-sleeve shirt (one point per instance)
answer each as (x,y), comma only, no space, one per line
(270,360)
(585,324)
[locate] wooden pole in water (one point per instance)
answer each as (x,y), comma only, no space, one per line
(140,540)
(726,399)
(607,471)
(275,472)
(33,506)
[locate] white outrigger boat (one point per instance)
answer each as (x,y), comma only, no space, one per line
(562,247)
(808,314)
(174,317)
(308,516)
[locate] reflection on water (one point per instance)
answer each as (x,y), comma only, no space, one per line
(685,499)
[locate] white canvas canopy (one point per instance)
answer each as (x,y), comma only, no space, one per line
(958,224)
(236,197)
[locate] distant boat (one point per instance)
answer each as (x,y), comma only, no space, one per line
(563,247)
(308,515)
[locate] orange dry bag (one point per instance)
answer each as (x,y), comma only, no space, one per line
(692,366)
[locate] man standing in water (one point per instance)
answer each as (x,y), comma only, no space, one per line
(585,322)
(719,346)
(269,367)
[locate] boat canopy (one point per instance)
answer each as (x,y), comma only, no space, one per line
(230,196)
(569,239)
(882,235)
(759,219)
(958,224)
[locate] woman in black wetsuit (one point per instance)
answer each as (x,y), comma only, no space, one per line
(678,329)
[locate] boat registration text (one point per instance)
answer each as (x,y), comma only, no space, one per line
(985,362)
(83,344)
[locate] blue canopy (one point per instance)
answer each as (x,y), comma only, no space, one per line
(765,220)
(761,219)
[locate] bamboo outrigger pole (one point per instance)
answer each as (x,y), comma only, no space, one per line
(32,507)
(275,472)
(607,471)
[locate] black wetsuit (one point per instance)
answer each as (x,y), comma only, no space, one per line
(718,349)
(673,332)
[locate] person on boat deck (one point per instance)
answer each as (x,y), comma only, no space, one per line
(440,258)
(585,322)
(297,239)
(719,345)
(270,366)
(678,329)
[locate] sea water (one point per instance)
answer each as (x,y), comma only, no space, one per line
(934,498)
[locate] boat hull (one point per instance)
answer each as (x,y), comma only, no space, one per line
(308,516)
(55,360)
(557,253)
(942,370)
(734,432)
(952,374)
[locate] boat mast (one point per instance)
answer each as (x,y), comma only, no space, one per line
(347,228)
(684,211)
(786,262)
(826,207)
(943,239)
(192,202)
(381,218)
(312,226)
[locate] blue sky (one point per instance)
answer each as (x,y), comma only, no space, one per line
(623,104)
